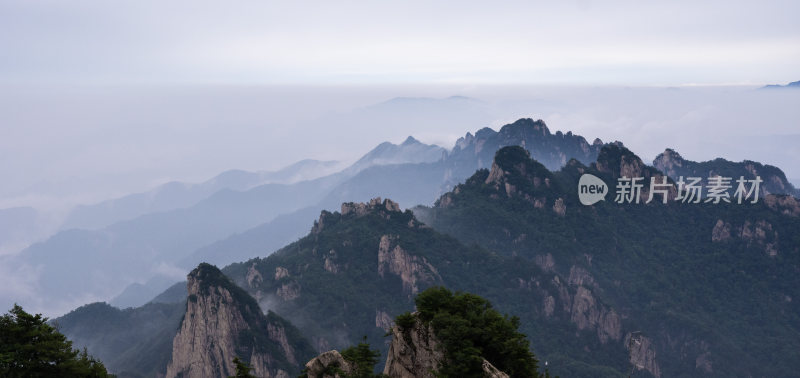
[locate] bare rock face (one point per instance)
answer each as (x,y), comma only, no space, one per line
(546,262)
(326,365)
(587,313)
(583,308)
(411,269)
(669,162)
(759,233)
(784,204)
(642,354)
(383,320)
(414,352)
(218,313)
(721,231)
(375,204)
(559,207)
(492,372)
(254,278)
(417,353)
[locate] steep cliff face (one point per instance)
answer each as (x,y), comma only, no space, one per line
(223,322)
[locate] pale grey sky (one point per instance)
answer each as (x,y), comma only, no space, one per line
(391,42)
(115,96)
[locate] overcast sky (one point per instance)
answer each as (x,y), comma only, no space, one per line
(99,98)
(389,42)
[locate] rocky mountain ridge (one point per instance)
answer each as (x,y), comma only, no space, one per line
(223,322)
(774,180)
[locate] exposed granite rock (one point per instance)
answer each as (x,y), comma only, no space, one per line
(549,305)
(278,334)
(583,308)
(288,291)
(642,354)
(580,277)
(281,272)
(254,278)
(721,231)
(330,264)
(703,363)
(417,353)
(588,314)
(670,162)
(217,314)
(492,372)
(559,207)
(410,269)
(375,204)
(414,352)
(758,233)
(784,204)
(383,320)
(326,363)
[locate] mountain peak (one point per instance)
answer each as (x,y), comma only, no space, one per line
(221,322)
(552,150)
(669,162)
(524,125)
(794,84)
(410,140)
(514,171)
(384,209)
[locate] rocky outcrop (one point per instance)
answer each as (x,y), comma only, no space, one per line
(559,207)
(784,204)
(490,371)
(383,320)
(288,291)
(759,233)
(721,231)
(411,269)
(588,314)
(222,322)
(414,352)
(254,278)
(670,162)
(375,204)
(642,354)
(583,308)
(330,364)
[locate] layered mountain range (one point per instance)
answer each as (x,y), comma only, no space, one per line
(673,289)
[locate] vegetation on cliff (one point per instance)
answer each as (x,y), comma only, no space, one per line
(29,347)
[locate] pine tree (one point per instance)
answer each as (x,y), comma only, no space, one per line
(29,347)
(243,369)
